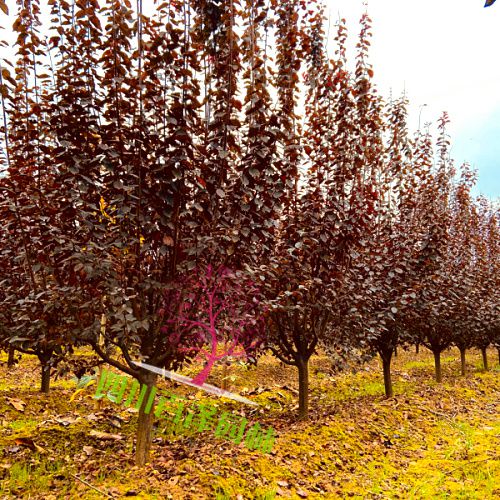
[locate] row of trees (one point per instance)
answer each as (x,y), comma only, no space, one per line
(146,155)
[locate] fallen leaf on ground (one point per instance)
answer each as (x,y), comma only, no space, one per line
(106,435)
(18,404)
(67,421)
(29,443)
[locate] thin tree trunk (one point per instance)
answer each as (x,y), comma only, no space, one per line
(437,365)
(145,421)
(485,358)
(303,367)
(45,385)
(498,349)
(417,348)
(98,402)
(12,359)
(395,352)
(462,360)
(386,364)
(225,377)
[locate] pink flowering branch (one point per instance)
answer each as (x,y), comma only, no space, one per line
(210,309)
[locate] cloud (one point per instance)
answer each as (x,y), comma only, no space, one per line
(444,54)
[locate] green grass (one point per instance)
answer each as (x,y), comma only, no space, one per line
(412,365)
(472,481)
(23,426)
(19,475)
(430,441)
(38,477)
(428,363)
(266,495)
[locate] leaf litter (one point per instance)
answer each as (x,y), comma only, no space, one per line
(429,440)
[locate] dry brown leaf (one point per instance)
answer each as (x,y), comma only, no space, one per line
(18,404)
(67,421)
(106,435)
(173,480)
(29,443)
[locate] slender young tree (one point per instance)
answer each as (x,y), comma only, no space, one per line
(39,314)
(433,321)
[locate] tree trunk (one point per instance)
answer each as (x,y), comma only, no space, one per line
(145,421)
(395,352)
(386,364)
(303,367)
(485,358)
(417,348)
(437,365)
(462,360)
(99,402)
(225,377)
(498,349)
(45,385)
(12,359)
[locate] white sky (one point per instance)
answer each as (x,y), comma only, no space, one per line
(446,54)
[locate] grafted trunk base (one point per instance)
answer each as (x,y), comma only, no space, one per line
(437,366)
(484,355)
(11,361)
(144,435)
(45,381)
(386,365)
(303,367)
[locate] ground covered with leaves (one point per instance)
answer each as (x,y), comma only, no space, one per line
(430,441)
